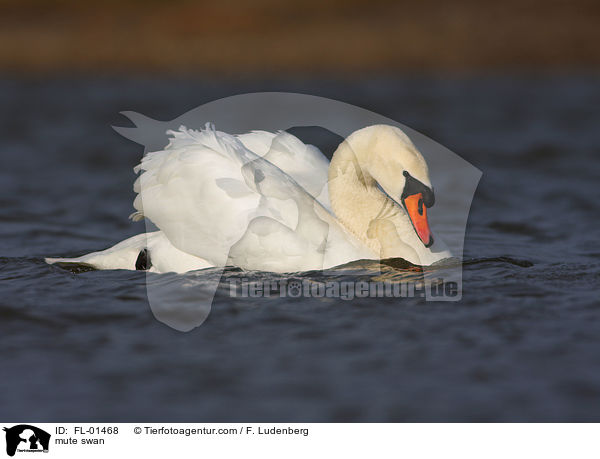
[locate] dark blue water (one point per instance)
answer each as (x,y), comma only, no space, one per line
(522,345)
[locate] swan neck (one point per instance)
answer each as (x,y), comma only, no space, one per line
(355,199)
(365,211)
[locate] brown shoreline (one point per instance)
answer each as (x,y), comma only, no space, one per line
(319,37)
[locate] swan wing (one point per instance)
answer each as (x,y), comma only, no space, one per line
(305,163)
(205,190)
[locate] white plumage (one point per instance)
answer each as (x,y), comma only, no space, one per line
(261,201)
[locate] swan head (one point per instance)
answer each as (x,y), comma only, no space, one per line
(388,158)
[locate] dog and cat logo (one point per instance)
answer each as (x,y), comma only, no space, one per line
(26,438)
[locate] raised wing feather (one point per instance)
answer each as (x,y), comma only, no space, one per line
(304,163)
(206,188)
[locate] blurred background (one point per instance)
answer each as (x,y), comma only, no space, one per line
(313,37)
(510,86)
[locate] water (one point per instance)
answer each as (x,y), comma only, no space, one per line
(522,345)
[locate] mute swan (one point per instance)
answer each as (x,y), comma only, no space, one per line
(267,201)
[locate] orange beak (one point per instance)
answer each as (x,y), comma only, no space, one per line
(418,216)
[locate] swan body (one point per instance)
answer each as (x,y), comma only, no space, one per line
(267,201)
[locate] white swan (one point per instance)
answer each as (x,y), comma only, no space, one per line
(267,201)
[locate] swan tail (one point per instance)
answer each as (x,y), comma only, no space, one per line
(145,252)
(123,255)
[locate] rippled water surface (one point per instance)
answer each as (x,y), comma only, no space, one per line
(522,345)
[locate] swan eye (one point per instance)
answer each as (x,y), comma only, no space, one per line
(413,187)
